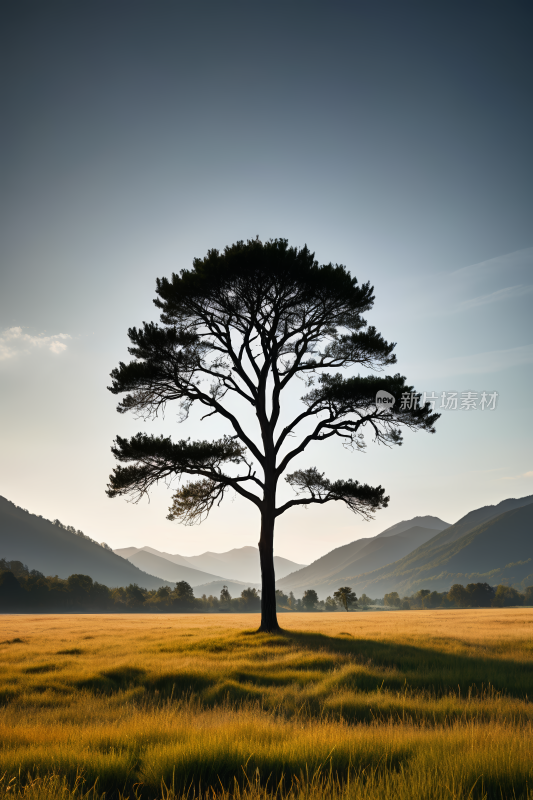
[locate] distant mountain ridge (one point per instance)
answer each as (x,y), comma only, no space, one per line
(492,544)
(421,522)
(55,550)
(240,565)
(326,574)
(485,545)
(169,570)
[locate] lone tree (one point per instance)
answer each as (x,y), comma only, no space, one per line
(236,329)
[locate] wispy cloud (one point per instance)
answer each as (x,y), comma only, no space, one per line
(508,293)
(517,260)
(518,477)
(14,342)
(483,363)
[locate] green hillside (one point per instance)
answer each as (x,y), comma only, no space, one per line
(362,555)
(499,550)
(54,550)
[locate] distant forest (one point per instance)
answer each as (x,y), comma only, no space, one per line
(24,590)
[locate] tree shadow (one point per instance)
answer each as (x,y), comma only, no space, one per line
(424,667)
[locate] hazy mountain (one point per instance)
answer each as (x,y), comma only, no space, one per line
(362,555)
(499,550)
(53,550)
(240,564)
(168,570)
(126,552)
(478,516)
(421,522)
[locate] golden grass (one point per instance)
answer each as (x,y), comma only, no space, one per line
(409,704)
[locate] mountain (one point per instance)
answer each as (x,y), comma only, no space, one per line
(240,564)
(422,522)
(332,570)
(168,570)
(486,545)
(54,550)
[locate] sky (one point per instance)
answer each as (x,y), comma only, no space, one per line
(393,138)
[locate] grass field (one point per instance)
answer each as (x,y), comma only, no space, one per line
(415,704)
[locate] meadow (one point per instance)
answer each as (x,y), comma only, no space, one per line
(404,704)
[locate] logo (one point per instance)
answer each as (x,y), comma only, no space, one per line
(384,399)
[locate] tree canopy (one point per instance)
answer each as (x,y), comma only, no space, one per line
(345,597)
(235,329)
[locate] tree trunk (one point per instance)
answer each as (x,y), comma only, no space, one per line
(269,619)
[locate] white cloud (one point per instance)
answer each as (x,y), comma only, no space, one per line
(518,477)
(14,342)
(508,293)
(484,363)
(519,260)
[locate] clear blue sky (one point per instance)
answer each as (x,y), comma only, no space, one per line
(394,138)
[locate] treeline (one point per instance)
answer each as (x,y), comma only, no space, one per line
(25,590)
(22,589)
(473,595)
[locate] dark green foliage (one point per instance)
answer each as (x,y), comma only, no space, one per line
(310,599)
(251,600)
(507,596)
(422,594)
(458,595)
(184,592)
(32,592)
(392,599)
(345,597)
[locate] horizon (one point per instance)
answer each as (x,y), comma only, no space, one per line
(277,555)
(397,144)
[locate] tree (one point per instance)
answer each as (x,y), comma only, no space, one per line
(250,599)
(310,599)
(80,588)
(421,595)
(345,597)
(281,598)
(432,600)
(392,599)
(458,595)
(365,601)
(331,604)
(134,596)
(480,595)
(225,597)
(183,592)
(236,329)
(507,596)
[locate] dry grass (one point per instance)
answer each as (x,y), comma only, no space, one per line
(412,704)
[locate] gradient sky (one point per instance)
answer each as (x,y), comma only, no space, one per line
(394,138)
